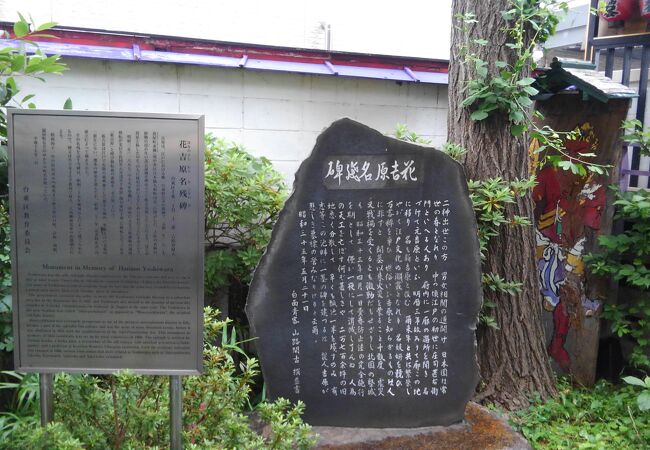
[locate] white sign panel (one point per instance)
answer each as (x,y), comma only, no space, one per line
(107,218)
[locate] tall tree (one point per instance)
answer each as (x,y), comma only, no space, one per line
(513,359)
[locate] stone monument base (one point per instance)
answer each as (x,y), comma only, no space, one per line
(482,429)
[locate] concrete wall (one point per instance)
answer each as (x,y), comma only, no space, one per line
(277,115)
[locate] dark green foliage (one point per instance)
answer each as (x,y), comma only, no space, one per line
(626,257)
(131,411)
(243,197)
(603,417)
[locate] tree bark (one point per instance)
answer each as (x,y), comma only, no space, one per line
(513,361)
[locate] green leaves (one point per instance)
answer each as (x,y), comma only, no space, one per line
(21,29)
(508,91)
(243,197)
(638,136)
(14,64)
(479,115)
(490,198)
(637,381)
(551,147)
(525,81)
(455,151)
(497,283)
(506,88)
(624,257)
(530,90)
(125,410)
(643,400)
(600,417)
(45,26)
(518,130)
(404,134)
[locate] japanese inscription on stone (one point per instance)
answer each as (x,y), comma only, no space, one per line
(107,216)
(367,298)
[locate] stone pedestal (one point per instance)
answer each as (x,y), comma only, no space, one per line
(482,429)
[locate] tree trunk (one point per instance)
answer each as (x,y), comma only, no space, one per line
(513,361)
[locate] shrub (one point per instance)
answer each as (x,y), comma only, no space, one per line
(131,411)
(625,257)
(601,417)
(243,198)
(54,436)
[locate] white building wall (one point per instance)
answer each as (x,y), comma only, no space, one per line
(411,28)
(277,115)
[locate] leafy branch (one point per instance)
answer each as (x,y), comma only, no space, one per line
(639,137)
(507,89)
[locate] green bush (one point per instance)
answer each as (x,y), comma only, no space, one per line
(243,198)
(131,411)
(55,436)
(600,417)
(625,257)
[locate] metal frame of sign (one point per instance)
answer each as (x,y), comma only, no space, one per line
(198,335)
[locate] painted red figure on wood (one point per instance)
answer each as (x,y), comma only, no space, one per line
(565,205)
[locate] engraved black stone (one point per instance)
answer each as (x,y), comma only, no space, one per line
(333,378)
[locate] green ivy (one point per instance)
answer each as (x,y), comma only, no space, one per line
(490,199)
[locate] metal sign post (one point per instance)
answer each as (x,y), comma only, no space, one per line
(175,413)
(46,387)
(107,246)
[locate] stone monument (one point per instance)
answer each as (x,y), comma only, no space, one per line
(366,300)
